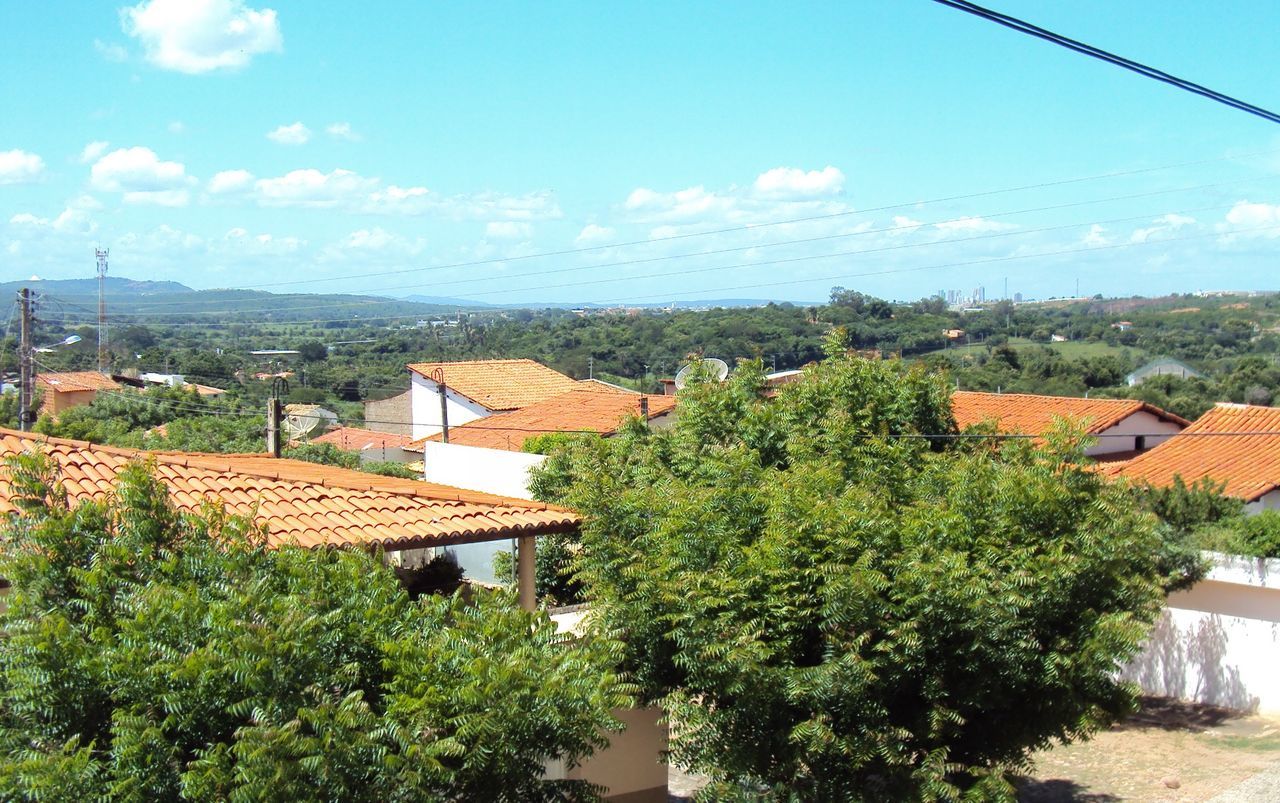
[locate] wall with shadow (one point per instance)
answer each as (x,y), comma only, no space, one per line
(1218,643)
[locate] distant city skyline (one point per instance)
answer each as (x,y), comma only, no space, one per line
(637,153)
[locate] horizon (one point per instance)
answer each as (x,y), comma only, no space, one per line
(665,153)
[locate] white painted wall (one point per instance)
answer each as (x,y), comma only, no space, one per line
(494,471)
(1121,437)
(1269,501)
(1219,642)
(424,407)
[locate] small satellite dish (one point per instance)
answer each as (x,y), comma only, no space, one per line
(710,366)
(303,425)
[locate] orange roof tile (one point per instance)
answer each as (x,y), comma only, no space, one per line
(1233,443)
(299,502)
(1027,414)
(354,439)
(500,384)
(583,409)
(73,381)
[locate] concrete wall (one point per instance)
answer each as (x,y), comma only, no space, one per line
(493,471)
(1219,642)
(1269,501)
(631,768)
(1123,436)
(424,403)
(391,415)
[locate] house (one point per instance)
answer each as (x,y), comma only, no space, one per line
(1163,366)
(308,504)
(370,445)
(1123,427)
(1236,444)
(62,391)
(178,381)
(392,415)
(953,334)
(1123,326)
(596,408)
(477,389)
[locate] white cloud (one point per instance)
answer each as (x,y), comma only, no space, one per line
(74,219)
(689,204)
(1097,236)
(177,127)
(240,241)
(93,151)
(137,170)
(110,51)
(1251,215)
(312,188)
(199,36)
(972,225)
(375,244)
(1162,225)
(231,182)
(508,230)
(793,183)
(296,134)
(170,198)
(19,167)
(342,131)
(592,234)
(164,240)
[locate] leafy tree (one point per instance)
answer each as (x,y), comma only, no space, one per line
(313,351)
(150,655)
(837,602)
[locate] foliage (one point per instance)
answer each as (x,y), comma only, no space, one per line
(1256,536)
(148,655)
(323,453)
(836,607)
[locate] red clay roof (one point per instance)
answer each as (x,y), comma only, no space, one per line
(583,409)
(1233,443)
(354,439)
(1027,414)
(73,381)
(500,384)
(298,502)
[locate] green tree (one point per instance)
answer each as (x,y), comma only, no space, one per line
(150,655)
(835,601)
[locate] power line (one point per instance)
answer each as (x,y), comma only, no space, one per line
(1028,28)
(705,253)
(712,269)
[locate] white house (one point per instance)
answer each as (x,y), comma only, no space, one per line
(1123,427)
(477,389)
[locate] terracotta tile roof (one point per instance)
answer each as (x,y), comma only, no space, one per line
(1233,443)
(305,503)
(500,384)
(1027,414)
(354,439)
(73,381)
(204,390)
(583,409)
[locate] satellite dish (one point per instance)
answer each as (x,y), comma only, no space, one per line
(709,366)
(303,425)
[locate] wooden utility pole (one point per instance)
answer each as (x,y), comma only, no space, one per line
(274,444)
(26,365)
(437,376)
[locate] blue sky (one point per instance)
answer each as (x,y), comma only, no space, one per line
(230,144)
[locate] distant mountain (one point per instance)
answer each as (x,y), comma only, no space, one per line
(115,286)
(446,301)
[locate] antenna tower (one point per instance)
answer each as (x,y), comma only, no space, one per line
(101,254)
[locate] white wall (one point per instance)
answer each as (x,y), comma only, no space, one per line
(424,407)
(1269,501)
(1219,642)
(1121,437)
(494,471)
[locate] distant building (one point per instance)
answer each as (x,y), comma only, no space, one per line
(1163,366)
(1123,326)
(478,389)
(62,391)
(391,415)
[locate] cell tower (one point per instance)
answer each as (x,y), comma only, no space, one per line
(101,254)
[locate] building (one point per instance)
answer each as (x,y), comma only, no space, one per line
(62,391)
(372,446)
(1163,366)
(1123,427)
(1235,444)
(393,415)
(477,389)
(306,504)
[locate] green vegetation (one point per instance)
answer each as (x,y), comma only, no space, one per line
(837,608)
(148,655)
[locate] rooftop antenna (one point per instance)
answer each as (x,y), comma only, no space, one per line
(101,254)
(710,365)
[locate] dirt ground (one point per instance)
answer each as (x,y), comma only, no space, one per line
(1168,751)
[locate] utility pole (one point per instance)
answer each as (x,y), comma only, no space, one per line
(591,368)
(27,366)
(437,376)
(103,358)
(275,443)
